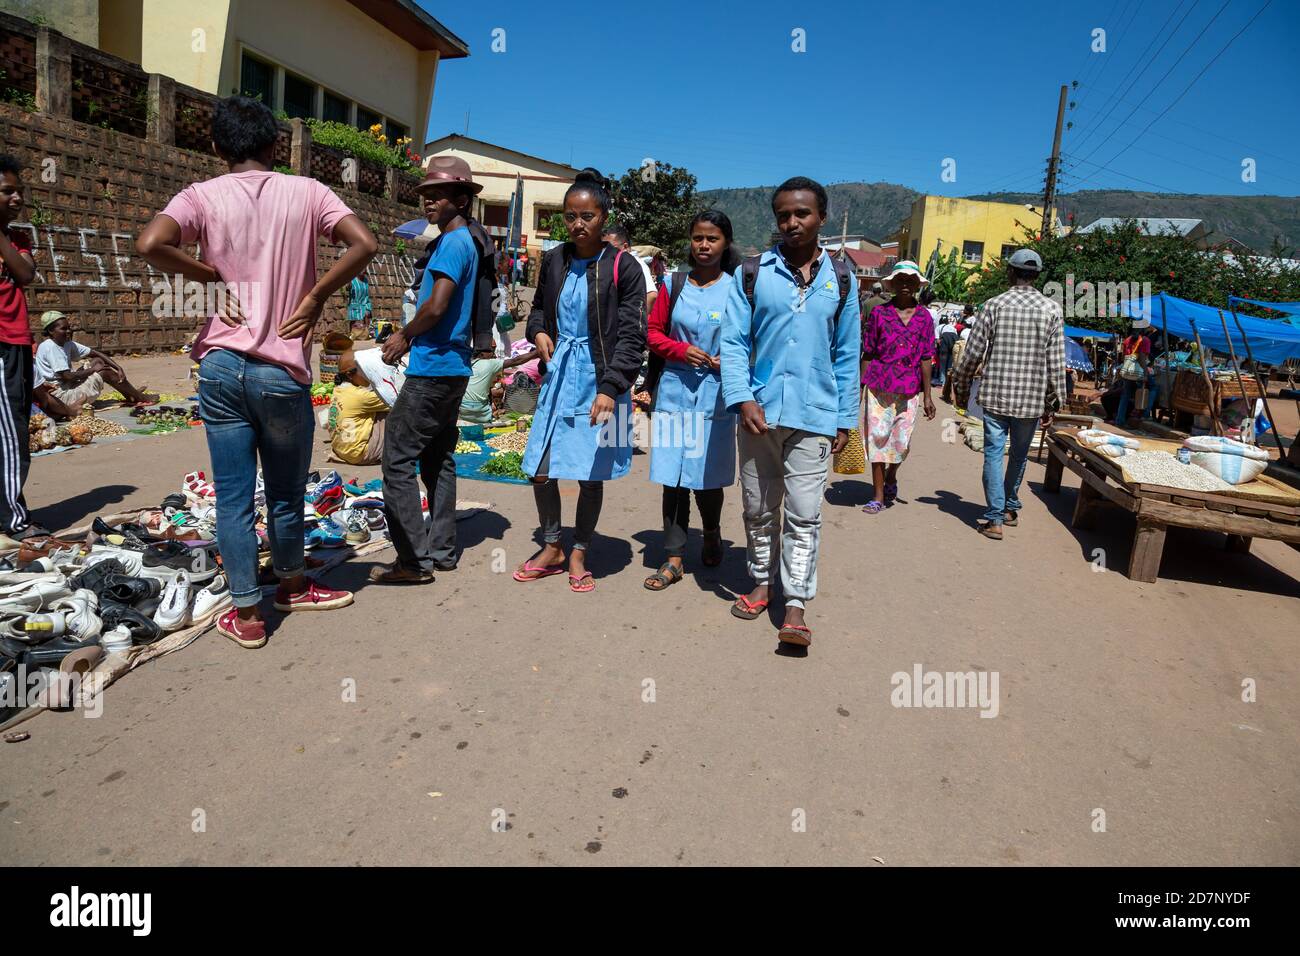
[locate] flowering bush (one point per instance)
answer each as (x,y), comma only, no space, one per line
(371,144)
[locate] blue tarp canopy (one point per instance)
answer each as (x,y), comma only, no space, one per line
(1291,308)
(1074,332)
(1271,342)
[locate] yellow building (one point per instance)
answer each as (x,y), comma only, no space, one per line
(980,231)
(544,184)
(359,62)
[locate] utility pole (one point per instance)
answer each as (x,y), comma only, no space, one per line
(1053,167)
(844,236)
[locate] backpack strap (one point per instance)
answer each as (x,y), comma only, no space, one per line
(616,258)
(678,283)
(845,276)
(749,277)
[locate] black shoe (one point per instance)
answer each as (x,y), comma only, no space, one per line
(52,652)
(128,590)
(93,578)
(199,563)
(31,531)
(130,540)
(143,630)
(176,500)
(447,566)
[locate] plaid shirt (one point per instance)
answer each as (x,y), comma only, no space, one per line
(1019,340)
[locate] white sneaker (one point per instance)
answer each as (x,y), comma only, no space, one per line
(174,611)
(34,595)
(211,601)
(81,619)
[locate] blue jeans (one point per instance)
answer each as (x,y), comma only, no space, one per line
(1126,397)
(1001,489)
(252,408)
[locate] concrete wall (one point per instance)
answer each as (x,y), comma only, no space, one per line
(945,223)
(78,19)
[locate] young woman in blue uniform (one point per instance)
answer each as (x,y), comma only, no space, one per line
(693,434)
(588,323)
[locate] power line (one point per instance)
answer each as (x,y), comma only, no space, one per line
(1232,39)
(1141,57)
(1171,69)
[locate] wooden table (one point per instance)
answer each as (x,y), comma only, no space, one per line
(1156,508)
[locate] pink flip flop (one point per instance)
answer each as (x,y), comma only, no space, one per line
(576,582)
(531,573)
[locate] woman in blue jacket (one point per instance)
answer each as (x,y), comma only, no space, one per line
(693,434)
(588,323)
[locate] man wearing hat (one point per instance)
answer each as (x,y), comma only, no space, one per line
(62,389)
(422,427)
(1018,340)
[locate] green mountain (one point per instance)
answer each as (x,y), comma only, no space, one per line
(876,209)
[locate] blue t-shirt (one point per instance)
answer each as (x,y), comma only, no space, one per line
(445,349)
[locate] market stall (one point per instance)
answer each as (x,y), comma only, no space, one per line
(1262,508)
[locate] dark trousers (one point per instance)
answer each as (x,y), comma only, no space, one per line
(422,428)
(15,453)
(677,515)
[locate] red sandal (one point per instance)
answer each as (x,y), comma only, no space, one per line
(795,634)
(748,610)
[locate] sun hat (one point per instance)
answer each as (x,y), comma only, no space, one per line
(444,170)
(1140,324)
(50,317)
(1026,259)
(903,267)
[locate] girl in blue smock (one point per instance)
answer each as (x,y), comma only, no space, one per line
(692,434)
(588,323)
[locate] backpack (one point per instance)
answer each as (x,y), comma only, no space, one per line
(655,367)
(749,278)
(485,285)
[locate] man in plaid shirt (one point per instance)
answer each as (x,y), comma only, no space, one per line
(1019,341)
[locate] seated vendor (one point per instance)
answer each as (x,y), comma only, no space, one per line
(60,388)
(483,393)
(356,417)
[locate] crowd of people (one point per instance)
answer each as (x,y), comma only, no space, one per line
(763,366)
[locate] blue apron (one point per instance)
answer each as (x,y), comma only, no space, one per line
(562,423)
(692,434)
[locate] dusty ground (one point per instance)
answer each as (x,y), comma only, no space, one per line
(478,697)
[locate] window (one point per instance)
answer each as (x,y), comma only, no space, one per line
(257,79)
(972,252)
(915,248)
(334,108)
(367,119)
(299,96)
(496,214)
(395,131)
(540,215)
(1007,249)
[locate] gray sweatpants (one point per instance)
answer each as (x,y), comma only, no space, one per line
(784,464)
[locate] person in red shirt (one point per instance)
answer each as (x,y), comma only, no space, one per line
(17,269)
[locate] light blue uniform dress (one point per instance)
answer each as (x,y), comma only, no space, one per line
(692,434)
(579,450)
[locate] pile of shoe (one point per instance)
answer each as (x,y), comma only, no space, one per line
(341,513)
(125,585)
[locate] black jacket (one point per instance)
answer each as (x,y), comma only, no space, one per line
(615,317)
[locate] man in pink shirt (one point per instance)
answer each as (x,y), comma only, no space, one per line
(257,232)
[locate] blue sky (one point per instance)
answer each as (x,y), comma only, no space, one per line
(888,94)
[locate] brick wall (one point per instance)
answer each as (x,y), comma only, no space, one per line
(95,176)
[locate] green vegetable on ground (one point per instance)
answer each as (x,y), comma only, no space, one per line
(505,464)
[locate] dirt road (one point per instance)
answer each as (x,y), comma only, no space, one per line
(625,726)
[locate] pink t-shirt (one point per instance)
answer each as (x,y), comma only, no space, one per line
(258,230)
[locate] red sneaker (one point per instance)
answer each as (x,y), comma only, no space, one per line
(314,597)
(243,633)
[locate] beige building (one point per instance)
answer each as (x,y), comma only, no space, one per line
(544,184)
(359,62)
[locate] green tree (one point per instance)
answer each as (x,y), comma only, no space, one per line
(554,224)
(950,278)
(656,202)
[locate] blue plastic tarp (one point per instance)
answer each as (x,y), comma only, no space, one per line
(1074,332)
(1292,309)
(1271,342)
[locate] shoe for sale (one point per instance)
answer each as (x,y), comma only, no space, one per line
(356,488)
(33,549)
(356,529)
(31,531)
(259,491)
(326,534)
(73,615)
(211,601)
(327,483)
(198,488)
(124,560)
(142,629)
(95,575)
(81,617)
(243,633)
(170,556)
(314,597)
(36,594)
(174,502)
(366,501)
(375,519)
(174,610)
(52,652)
(325,503)
(128,589)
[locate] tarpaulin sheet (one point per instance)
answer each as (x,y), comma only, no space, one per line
(1270,341)
(1291,308)
(1074,332)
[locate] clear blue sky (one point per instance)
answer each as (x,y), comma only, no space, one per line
(888,94)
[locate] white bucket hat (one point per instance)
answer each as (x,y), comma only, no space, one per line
(903,267)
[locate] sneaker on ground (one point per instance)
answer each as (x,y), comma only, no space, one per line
(243,633)
(211,600)
(314,597)
(327,534)
(143,629)
(325,485)
(356,528)
(174,611)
